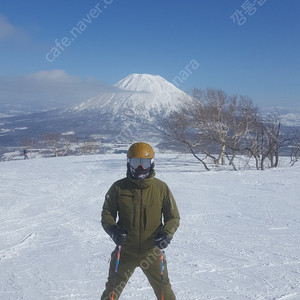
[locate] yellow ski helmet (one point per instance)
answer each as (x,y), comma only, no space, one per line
(140,150)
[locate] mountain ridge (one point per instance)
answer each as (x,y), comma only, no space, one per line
(130,113)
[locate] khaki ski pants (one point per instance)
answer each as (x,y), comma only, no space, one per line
(150,263)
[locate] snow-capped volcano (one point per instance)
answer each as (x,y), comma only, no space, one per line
(132,111)
(141,95)
(147,83)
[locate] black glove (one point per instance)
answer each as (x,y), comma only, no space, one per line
(162,240)
(118,235)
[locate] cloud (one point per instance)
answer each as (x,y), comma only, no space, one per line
(54,87)
(6,28)
(12,34)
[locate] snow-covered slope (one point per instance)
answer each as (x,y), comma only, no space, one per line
(239,237)
(141,95)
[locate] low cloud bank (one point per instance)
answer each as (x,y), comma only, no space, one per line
(54,87)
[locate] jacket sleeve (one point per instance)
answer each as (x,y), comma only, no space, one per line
(109,210)
(171,214)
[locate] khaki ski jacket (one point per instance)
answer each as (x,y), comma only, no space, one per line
(143,208)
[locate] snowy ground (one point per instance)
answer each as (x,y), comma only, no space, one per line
(239,236)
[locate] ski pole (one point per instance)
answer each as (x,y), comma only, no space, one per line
(116,271)
(162,273)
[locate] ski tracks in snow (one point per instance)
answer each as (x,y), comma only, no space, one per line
(239,236)
(242,242)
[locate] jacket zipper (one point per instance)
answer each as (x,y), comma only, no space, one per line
(134,208)
(145,218)
(141,214)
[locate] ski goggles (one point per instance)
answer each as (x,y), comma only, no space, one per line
(145,163)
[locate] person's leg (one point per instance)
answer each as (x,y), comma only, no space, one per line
(127,264)
(151,266)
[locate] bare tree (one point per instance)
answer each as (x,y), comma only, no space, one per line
(51,140)
(60,144)
(88,147)
(177,127)
(221,127)
(295,148)
(265,140)
(251,141)
(211,123)
(220,120)
(274,142)
(240,111)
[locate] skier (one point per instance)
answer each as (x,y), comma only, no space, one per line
(25,154)
(139,201)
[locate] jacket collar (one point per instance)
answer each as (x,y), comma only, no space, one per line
(143,183)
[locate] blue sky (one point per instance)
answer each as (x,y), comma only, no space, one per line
(50,49)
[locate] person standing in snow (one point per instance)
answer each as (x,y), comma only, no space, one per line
(140,215)
(25,152)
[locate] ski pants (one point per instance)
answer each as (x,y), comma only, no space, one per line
(150,263)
